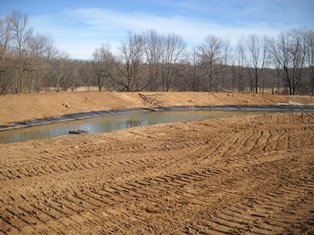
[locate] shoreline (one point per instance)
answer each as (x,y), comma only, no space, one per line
(26,107)
(92,114)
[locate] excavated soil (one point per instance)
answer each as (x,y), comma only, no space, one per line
(24,107)
(252,175)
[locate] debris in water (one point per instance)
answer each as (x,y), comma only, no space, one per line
(77,131)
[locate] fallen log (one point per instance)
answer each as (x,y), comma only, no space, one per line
(147,99)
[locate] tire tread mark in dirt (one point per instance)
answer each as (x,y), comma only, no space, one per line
(8,225)
(78,204)
(105,195)
(142,189)
(93,199)
(111,195)
(40,215)
(68,166)
(85,200)
(20,222)
(98,197)
(263,142)
(258,135)
(3,176)
(244,138)
(156,186)
(269,220)
(131,191)
(166,183)
(38,170)
(229,146)
(282,143)
(65,211)
(271,141)
(8,175)
(215,229)
(94,202)
(47,210)
(224,224)
(21,174)
(216,148)
(28,216)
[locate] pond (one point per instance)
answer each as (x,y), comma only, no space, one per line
(113,122)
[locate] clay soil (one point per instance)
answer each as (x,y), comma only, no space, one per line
(248,175)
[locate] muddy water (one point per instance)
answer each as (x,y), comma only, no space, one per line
(112,122)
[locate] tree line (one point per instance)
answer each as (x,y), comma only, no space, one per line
(151,61)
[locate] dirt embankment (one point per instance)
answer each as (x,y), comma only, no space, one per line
(14,108)
(251,175)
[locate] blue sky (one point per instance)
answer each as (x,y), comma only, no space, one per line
(78,26)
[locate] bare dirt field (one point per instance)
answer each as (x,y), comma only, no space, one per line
(252,175)
(242,175)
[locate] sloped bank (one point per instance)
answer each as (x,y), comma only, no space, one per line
(86,115)
(24,107)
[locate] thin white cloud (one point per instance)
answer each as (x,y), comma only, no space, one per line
(191,29)
(80,31)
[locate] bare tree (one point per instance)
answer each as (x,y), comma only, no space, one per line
(240,63)
(41,52)
(131,58)
(153,52)
(42,46)
(210,52)
(173,49)
(6,82)
(288,52)
(195,76)
(154,61)
(256,58)
(310,57)
(62,74)
(5,35)
(104,65)
(21,34)
(224,64)
(162,52)
(86,72)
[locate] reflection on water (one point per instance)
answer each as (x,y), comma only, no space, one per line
(133,122)
(113,122)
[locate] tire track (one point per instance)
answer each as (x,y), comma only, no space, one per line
(251,177)
(272,212)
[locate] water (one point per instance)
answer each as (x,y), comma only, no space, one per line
(112,122)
